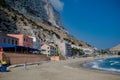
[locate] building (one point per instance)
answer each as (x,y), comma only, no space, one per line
(50,50)
(17,42)
(88,50)
(6,40)
(65,48)
(75,46)
(36,44)
(24,40)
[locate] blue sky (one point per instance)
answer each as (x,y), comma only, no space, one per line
(96,22)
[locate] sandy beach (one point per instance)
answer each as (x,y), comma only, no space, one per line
(58,70)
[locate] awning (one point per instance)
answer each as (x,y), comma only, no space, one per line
(7,45)
(15,46)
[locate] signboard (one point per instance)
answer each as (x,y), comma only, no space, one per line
(1,49)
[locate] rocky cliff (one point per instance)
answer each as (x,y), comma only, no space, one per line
(14,21)
(40,10)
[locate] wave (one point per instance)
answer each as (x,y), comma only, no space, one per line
(109,64)
(115,63)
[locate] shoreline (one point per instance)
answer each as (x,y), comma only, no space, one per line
(81,65)
(59,70)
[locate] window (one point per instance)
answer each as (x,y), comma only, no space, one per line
(4,40)
(8,41)
(16,42)
(48,47)
(24,39)
(12,41)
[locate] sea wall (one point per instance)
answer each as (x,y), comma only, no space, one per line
(20,58)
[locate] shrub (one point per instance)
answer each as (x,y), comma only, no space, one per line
(80,44)
(76,51)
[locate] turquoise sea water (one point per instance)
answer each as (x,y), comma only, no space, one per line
(108,64)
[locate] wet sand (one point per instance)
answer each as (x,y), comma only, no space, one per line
(58,70)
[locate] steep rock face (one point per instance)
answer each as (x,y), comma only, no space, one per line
(12,21)
(40,10)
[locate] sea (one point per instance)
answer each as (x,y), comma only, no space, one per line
(106,64)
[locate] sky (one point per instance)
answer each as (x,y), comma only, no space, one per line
(96,22)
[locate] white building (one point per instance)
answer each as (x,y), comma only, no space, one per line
(86,50)
(36,43)
(50,50)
